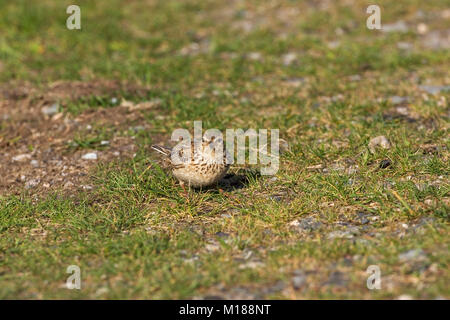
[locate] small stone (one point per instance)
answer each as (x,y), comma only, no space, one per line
(355,77)
(101,291)
(398,100)
(422,28)
(336,278)
(34,163)
(212,247)
(89,156)
(251,265)
(363,218)
(295,82)
(299,280)
(255,56)
(405,297)
(339,235)
(21,157)
(434,89)
(380,141)
(413,254)
(385,163)
(137,128)
(32,183)
(289,58)
(114,100)
(307,224)
(104,142)
(399,26)
(68,184)
(50,110)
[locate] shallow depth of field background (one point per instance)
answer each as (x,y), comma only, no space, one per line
(79,185)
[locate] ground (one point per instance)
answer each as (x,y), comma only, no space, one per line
(137,70)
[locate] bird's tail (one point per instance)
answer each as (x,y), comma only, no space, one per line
(164,150)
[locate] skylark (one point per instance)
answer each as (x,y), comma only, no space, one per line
(199,164)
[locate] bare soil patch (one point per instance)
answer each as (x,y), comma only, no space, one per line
(35,146)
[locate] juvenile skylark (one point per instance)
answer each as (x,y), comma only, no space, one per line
(204,166)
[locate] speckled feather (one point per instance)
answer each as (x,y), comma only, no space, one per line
(202,171)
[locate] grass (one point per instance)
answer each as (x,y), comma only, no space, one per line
(136,236)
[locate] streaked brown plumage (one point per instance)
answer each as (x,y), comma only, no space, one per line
(203,169)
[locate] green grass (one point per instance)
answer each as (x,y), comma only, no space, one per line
(137,236)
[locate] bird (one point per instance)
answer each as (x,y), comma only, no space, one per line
(205,166)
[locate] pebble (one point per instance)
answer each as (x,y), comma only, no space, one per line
(104,142)
(363,218)
(89,156)
(50,110)
(32,183)
(68,184)
(289,58)
(255,56)
(295,82)
(437,39)
(355,77)
(399,26)
(380,141)
(306,224)
(413,254)
(338,234)
(212,247)
(251,265)
(337,278)
(137,128)
(398,100)
(422,28)
(21,157)
(405,297)
(434,89)
(101,291)
(348,233)
(299,280)
(34,163)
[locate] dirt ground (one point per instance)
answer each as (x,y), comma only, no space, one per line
(36,146)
